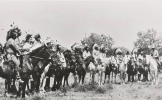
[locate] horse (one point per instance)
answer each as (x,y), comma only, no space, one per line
(114,68)
(51,69)
(101,67)
(8,73)
(123,69)
(71,66)
(80,68)
(54,69)
(108,69)
(132,69)
(140,69)
(153,67)
(29,67)
(90,67)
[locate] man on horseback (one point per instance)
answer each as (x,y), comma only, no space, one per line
(118,58)
(95,52)
(155,54)
(12,49)
(61,56)
(37,39)
(86,52)
(27,46)
(103,51)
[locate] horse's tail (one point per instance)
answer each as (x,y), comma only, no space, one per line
(1,72)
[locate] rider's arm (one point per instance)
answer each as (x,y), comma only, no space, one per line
(157,54)
(14,47)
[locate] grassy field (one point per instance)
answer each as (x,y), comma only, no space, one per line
(129,91)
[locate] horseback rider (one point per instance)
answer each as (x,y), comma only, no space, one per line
(86,52)
(27,46)
(95,52)
(103,51)
(37,38)
(61,56)
(126,57)
(155,54)
(118,58)
(12,49)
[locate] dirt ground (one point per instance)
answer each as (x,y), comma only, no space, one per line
(129,91)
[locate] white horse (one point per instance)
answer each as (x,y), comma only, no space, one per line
(153,66)
(123,69)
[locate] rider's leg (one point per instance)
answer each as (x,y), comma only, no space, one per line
(159,65)
(17,66)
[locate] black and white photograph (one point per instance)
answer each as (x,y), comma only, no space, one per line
(81,50)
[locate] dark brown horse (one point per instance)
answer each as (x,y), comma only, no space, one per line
(132,70)
(8,73)
(71,66)
(55,70)
(29,66)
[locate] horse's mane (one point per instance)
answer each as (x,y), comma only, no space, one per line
(67,54)
(36,50)
(87,59)
(151,59)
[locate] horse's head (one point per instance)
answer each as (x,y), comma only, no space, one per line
(79,59)
(55,58)
(148,58)
(113,63)
(70,57)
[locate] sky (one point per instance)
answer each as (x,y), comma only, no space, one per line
(68,21)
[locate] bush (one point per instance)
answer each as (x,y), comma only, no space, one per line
(86,87)
(37,97)
(100,89)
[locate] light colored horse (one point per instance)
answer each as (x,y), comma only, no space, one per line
(107,69)
(153,66)
(123,69)
(103,62)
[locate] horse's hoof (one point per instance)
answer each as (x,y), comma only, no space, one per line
(8,95)
(53,89)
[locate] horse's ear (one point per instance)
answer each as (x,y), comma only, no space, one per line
(45,45)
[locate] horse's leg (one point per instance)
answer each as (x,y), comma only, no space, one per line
(156,76)
(75,77)
(139,77)
(124,75)
(67,77)
(42,77)
(90,74)
(146,74)
(38,83)
(101,78)
(128,77)
(47,84)
(99,74)
(83,76)
(23,88)
(133,78)
(9,85)
(121,77)
(105,77)
(115,77)
(112,77)
(6,86)
(80,75)
(64,76)
(109,77)
(54,84)
(59,81)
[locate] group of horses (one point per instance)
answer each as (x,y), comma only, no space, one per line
(44,62)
